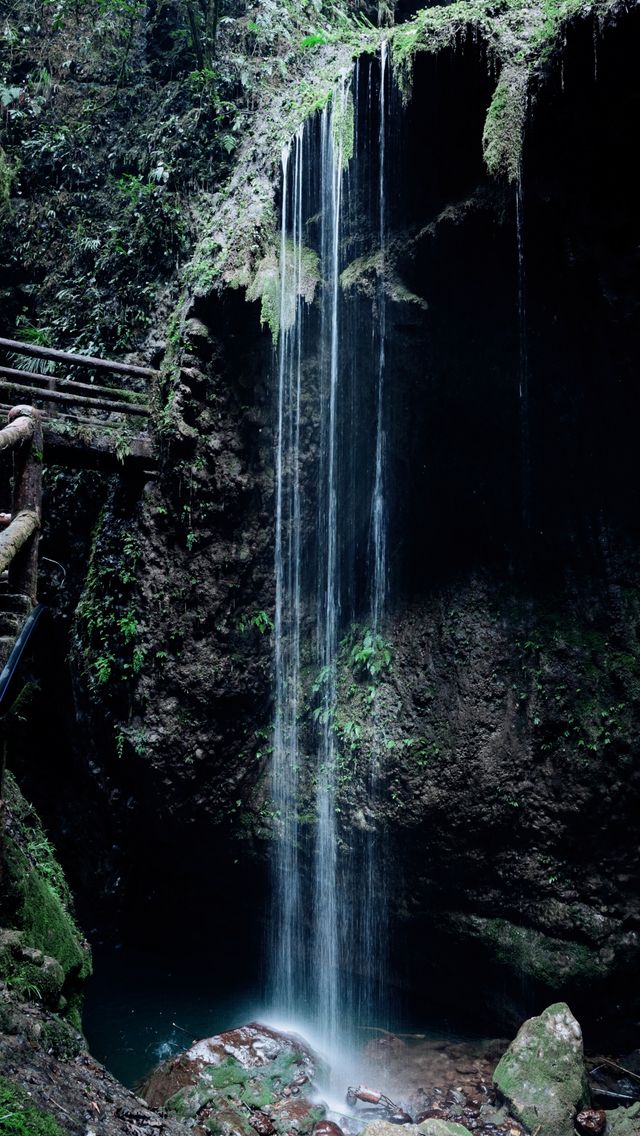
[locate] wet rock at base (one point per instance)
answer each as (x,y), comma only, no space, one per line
(542,1075)
(237,1083)
(623,1121)
(327,1128)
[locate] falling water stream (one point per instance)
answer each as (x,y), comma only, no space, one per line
(330,562)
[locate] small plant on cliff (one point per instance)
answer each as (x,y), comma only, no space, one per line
(107,624)
(260,620)
(372,654)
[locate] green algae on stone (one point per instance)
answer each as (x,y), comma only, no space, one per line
(343,125)
(504,125)
(623,1121)
(522,39)
(19,1117)
(531,952)
(542,1075)
(436,1127)
(302,273)
(45,950)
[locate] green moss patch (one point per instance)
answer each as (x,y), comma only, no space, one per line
(19,1118)
(43,955)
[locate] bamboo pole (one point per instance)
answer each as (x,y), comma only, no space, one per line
(76,399)
(79,360)
(63,384)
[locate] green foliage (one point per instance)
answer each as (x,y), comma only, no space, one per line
(19,1117)
(315,39)
(260,620)
(39,336)
(372,654)
(7,177)
(107,623)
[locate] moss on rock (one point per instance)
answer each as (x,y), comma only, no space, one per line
(18,1117)
(624,1121)
(42,954)
(548,960)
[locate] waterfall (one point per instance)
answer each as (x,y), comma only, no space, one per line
(287,930)
(326,960)
(329,492)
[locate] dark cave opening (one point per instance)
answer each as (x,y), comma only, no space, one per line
(457,421)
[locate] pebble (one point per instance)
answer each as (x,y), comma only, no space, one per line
(591,1121)
(327,1128)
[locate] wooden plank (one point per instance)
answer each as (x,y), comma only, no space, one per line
(75,399)
(34,350)
(52,382)
(16,534)
(22,430)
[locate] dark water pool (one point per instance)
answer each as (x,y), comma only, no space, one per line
(140,1007)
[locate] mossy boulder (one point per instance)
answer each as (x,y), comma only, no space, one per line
(42,952)
(542,1075)
(30,972)
(223,1082)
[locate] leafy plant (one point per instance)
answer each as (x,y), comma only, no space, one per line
(260,620)
(372,654)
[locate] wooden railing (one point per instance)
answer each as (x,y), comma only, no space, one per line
(19,537)
(55,389)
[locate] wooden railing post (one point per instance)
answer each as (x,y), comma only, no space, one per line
(27,496)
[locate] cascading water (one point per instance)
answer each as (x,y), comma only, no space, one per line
(330,559)
(287,931)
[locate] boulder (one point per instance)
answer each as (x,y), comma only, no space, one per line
(542,1075)
(247,1080)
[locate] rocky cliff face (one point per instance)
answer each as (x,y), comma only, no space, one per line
(510,702)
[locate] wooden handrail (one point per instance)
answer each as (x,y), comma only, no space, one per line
(19,542)
(79,360)
(53,382)
(22,430)
(16,535)
(75,399)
